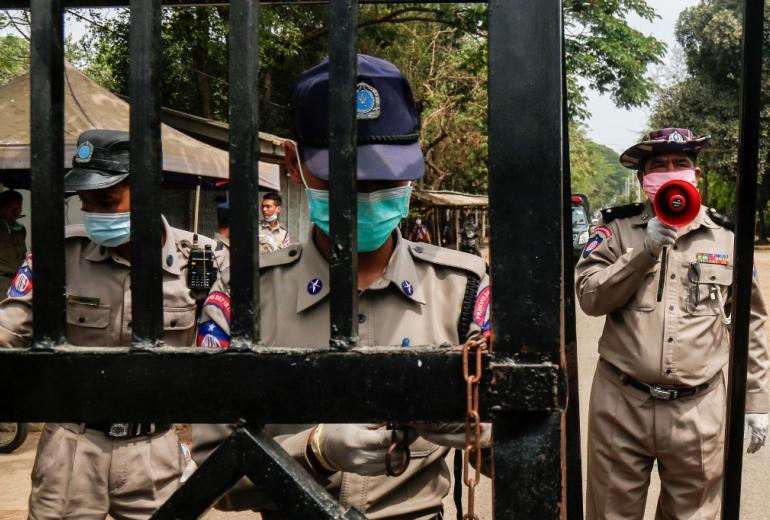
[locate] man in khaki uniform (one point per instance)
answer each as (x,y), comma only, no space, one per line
(409,294)
(12,237)
(85,471)
(222,236)
(658,393)
(272,234)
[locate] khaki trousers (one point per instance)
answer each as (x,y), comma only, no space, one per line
(81,474)
(628,430)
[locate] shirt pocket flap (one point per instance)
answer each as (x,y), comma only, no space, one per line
(178,318)
(717,274)
(91,316)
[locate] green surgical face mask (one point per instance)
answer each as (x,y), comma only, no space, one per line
(379,212)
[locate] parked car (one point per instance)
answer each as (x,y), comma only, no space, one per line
(581,223)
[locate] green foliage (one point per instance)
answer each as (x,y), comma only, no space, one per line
(441,48)
(596,172)
(14,57)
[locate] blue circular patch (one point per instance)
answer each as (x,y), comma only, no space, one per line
(169,260)
(314,286)
(364,100)
(85,151)
(407,288)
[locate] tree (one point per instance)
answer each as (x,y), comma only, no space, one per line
(441,48)
(707,100)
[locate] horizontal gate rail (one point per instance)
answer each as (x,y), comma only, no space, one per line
(289,386)
(24,4)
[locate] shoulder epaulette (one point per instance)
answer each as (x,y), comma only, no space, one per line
(285,256)
(629,210)
(721,220)
(448,257)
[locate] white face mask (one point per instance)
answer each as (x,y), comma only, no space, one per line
(272,218)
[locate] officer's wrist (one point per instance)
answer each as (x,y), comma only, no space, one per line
(314,455)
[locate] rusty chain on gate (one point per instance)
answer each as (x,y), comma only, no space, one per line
(476,347)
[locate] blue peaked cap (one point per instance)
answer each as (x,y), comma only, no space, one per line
(388,121)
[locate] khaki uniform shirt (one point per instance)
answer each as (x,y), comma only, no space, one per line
(666,317)
(279,236)
(12,250)
(98,284)
(417,301)
(221,239)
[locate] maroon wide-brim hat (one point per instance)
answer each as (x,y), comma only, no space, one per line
(661,141)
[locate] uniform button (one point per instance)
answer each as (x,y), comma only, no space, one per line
(668,371)
(173,323)
(676,247)
(293,252)
(671,307)
(361,318)
(418,249)
(673,276)
(670,340)
(81,319)
(712,277)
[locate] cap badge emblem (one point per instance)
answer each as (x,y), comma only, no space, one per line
(85,151)
(676,137)
(367,102)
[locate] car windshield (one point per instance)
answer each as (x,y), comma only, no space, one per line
(579,216)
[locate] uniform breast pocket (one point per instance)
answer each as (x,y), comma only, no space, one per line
(644,298)
(88,325)
(708,287)
(179,326)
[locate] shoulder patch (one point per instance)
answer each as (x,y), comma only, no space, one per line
(448,257)
(21,285)
(604,230)
(287,255)
(721,220)
(629,210)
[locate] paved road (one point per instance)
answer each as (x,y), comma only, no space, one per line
(15,468)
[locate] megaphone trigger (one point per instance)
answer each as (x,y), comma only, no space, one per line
(677,203)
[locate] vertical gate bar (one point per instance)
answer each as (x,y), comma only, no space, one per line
(572,456)
(146,164)
(748,152)
(244,169)
(47,152)
(525,85)
(343,162)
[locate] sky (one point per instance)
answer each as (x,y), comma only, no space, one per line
(619,128)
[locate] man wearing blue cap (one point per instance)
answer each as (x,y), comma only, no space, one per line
(658,394)
(90,470)
(409,294)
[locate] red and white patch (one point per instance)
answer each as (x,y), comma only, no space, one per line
(221,301)
(604,230)
(21,284)
(481,307)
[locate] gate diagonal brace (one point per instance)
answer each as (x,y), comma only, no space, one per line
(252,453)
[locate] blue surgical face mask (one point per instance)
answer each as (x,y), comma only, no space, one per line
(379,212)
(108,229)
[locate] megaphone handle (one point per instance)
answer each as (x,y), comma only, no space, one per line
(663,264)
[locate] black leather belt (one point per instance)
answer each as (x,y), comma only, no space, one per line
(129,430)
(663,392)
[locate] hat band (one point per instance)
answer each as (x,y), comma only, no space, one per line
(372,139)
(103,165)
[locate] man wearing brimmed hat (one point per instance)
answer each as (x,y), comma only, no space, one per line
(658,393)
(409,294)
(90,470)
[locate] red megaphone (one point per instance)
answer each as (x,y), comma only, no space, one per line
(677,203)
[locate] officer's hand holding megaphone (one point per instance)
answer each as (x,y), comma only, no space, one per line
(658,235)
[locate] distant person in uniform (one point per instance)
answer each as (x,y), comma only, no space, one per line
(658,393)
(12,238)
(222,236)
(409,294)
(270,226)
(90,470)
(419,232)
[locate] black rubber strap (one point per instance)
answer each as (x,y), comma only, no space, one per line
(466,314)
(457,492)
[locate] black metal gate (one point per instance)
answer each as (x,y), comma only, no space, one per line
(524,393)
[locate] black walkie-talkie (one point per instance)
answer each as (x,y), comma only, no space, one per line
(201,271)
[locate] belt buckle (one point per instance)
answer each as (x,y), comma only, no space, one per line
(662,392)
(119,430)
